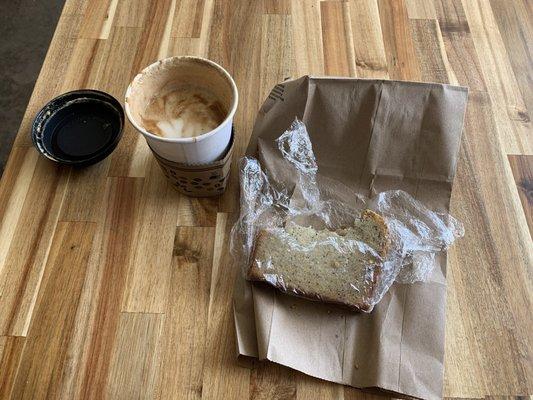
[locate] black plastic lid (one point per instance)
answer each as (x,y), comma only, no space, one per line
(79,128)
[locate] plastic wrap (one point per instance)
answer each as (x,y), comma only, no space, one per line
(309,245)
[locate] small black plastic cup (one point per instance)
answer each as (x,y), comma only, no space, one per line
(78,128)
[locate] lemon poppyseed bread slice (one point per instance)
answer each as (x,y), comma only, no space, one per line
(342,267)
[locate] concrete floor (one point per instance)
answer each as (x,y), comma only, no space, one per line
(26,29)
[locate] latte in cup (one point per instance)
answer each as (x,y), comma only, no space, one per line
(184,107)
(183,112)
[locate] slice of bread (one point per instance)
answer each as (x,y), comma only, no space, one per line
(334,267)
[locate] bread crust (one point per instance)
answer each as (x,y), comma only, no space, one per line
(382,225)
(254,273)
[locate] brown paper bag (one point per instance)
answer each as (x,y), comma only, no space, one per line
(368,136)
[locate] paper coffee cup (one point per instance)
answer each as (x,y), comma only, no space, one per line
(162,75)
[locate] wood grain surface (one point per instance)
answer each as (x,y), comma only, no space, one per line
(113,286)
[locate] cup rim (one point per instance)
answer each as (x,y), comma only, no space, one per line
(193,139)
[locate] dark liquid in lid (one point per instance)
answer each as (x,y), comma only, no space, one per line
(81,129)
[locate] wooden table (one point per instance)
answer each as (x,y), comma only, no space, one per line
(114,286)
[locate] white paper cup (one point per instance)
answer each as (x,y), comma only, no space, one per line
(197,71)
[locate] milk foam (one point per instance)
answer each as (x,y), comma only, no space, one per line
(183,112)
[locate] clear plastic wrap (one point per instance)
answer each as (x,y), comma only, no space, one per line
(349,253)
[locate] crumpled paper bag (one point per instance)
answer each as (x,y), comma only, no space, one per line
(368,136)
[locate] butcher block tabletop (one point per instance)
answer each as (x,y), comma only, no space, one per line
(114,286)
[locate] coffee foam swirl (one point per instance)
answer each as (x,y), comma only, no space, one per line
(183,112)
